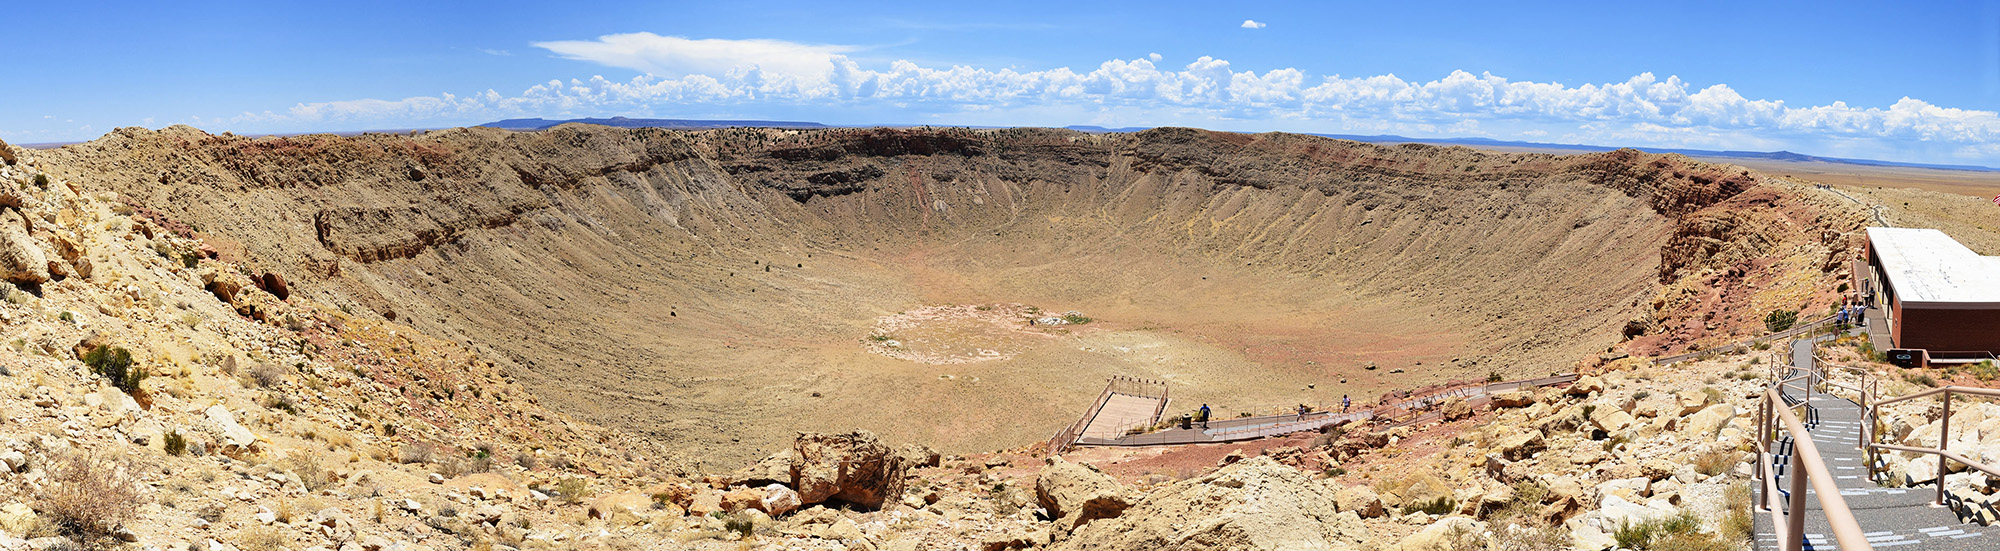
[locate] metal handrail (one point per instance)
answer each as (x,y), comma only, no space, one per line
(1944,433)
(1806,468)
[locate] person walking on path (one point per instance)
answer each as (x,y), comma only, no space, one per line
(1204,416)
(1343,403)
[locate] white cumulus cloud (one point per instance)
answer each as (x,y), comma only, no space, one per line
(1252,24)
(701,78)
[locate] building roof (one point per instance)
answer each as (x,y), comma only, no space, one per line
(1925,265)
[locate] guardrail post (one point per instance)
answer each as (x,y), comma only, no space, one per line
(1944,443)
(1763,452)
(1795,512)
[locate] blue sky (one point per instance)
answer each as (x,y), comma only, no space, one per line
(1912,81)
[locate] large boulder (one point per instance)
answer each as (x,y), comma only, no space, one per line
(1256,504)
(918,455)
(1691,401)
(854,468)
(1447,534)
(21,260)
(1074,494)
(1585,386)
(634,503)
(1611,420)
(1514,399)
(774,469)
(1360,500)
(1519,444)
(231,436)
(1455,408)
(1705,423)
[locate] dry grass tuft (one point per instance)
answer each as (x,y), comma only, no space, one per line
(88,497)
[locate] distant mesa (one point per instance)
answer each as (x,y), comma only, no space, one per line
(622,122)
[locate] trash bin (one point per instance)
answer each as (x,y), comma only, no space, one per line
(1187,421)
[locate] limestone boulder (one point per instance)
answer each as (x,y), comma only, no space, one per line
(855,468)
(1706,423)
(1075,494)
(1611,420)
(633,503)
(1690,401)
(779,500)
(232,437)
(1586,385)
(1447,534)
(1455,408)
(1360,500)
(1255,504)
(773,469)
(918,456)
(1515,399)
(21,260)
(1520,444)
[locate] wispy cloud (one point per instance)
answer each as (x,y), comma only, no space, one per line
(491,51)
(1252,24)
(687,77)
(673,56)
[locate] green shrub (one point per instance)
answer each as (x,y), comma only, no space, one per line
(1076,319)
(1648,534)
(1493,377)
(115,363)
(1924,379)
(1780,320)
(740,524)
(1985,371)
(1441,505)
(42,181)
(176,444)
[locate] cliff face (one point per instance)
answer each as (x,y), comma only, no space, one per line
(708,287)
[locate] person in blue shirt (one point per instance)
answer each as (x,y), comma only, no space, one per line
(1204,416)
(1343,403)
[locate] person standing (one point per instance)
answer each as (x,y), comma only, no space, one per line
(1343,403)
(1204,416)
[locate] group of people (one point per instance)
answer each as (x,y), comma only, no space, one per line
(1202,415)
(1855,313)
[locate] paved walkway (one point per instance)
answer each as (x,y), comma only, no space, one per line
(1892,518)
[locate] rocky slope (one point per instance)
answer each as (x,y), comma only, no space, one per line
(644,278)
(380,342)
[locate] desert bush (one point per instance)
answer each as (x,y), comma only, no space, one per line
(310,473)
(1680,532)
(572,490)
(175,443)
(1441,505)
(1780,320)
(261,538)
(267,375)
(88,497)
(741,524)
(1917,378)
(1514,537)
(1641,395)
(1494,377)
(1985,371)
(115,363)
(1714,462)
(416,452)
(1737,523)
(1076,319)
(42,181)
